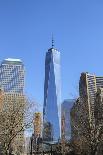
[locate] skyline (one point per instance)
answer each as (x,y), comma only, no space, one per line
(26,33)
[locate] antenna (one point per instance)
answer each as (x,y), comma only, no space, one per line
(52,41)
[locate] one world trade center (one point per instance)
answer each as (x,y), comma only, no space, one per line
(52,96)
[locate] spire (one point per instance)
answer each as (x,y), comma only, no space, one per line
(52,41)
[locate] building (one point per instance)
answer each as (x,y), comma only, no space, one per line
(86,112)
(14,105)
(1,99)
(99,81)
(88,85)
(99,120)
(87,91)
(99,107)
(12,75)
(37,124)
(12,83)
(65,112)
(52,96)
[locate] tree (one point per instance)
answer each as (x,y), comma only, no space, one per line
(15,117)
(87,126)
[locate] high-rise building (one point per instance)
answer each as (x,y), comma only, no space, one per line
(99,81)
(82,133)
(12,83)
(65,112)
(87,91)
(86,114)
(99,107)
(12,75)
(52,96)
(88,85)
(99,119)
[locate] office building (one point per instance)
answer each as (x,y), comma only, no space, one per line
(99,81)
(99,107)
(52,96)
(12,75)
(86,114)
(88,85)
(87,91)
(65,112)
(12,83)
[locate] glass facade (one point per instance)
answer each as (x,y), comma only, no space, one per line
(52,97)
(65,112)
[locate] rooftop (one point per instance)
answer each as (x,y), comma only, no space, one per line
(11,59)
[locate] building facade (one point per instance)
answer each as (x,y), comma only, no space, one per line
(12,84)
(12,75)
(99,81)
(86,114)
(87,91)
(88,85)
(99,107)
(52,96)
(65,112)
(99,120)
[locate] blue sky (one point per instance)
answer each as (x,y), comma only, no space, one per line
(26,27)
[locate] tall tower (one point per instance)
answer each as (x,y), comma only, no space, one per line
(52,96)
(12,75)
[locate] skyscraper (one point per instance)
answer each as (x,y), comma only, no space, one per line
(87,112)
(12,75)
(52,96)
(12,84)
(88,85)
(99,81)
